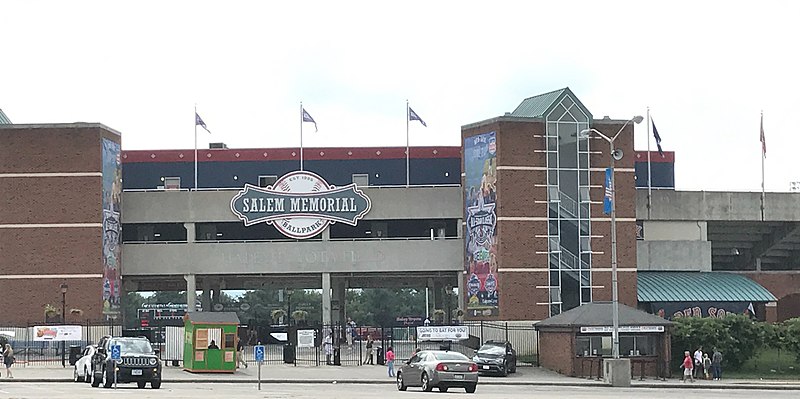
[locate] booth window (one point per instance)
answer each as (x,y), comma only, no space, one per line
(589,345)
(637,345)
(230,341)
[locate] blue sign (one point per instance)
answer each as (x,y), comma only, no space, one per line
(259,352)
(116,353)
(608,193)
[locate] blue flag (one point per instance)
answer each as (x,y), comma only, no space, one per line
(657,137)
(307,118)
(609,191)
(412,116)
(198,121)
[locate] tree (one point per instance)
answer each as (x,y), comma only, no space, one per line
(131,303)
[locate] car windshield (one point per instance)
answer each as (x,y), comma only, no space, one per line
(133,345)
(492,350)
(450,356)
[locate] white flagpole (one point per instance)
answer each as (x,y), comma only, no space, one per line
(408,180)
(649,175)
(195,147)
(763,140)
(301,135)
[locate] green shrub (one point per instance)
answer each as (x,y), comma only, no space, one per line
(791,337)
(736,336)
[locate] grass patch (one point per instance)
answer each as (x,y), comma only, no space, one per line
(766,364)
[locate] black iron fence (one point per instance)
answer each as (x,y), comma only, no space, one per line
(34,344)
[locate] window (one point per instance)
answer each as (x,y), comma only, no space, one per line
(172,183)
(230,341)
(268,180)
(361,179)
(586,246)
(553,194)
(584,193)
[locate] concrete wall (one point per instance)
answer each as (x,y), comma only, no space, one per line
(674,255)
(675,230)
(707,206)
(214,206)
(293,257)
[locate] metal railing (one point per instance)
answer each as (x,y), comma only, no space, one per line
(389,186)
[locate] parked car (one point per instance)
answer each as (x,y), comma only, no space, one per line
(441,369)
(138,364)
(83,366)
(496,357)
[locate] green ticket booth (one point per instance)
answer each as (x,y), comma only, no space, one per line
(209,344)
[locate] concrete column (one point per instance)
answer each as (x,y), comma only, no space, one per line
(216,292)
(462,289)
(326,298)
(190,232)
(338,294)
(460,228)
(191,291)
(205,297)
(326,234)
(438,295)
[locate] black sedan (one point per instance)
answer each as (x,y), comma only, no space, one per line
(496,357)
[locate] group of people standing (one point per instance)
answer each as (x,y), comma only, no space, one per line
(700,365)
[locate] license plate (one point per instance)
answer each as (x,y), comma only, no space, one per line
(458,376)
(486,367)
(136,372)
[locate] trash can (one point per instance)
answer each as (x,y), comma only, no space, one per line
(74,354)
(289,354)
(381,357)
(337,357)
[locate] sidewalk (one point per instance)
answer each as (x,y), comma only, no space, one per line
(273,373)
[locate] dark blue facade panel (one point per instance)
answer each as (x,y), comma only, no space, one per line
(388,172)
(662,173)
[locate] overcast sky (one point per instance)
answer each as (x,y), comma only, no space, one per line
(706,70)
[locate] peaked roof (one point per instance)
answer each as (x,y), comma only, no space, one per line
(540,106)
(699,287)
(213,317)
(599,314)
(4,119)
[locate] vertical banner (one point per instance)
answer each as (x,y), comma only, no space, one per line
(480,260)
(608,192)
(112,227)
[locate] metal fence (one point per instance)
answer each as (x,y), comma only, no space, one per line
(32,350)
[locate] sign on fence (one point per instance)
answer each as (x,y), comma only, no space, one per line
(442,333)
(259,353)
(57,333)
(305,338)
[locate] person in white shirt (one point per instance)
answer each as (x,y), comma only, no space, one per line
(698,362)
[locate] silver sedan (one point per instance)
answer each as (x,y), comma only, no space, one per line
(441,369)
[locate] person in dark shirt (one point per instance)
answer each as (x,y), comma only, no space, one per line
(213,345)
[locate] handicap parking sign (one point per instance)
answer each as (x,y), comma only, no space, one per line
(259,353)
(115,353)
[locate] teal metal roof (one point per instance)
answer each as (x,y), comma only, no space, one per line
(537,106)
(4,119)
(699,287)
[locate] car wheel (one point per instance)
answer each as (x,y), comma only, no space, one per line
(141,384)
(471,388)
(108,378)
(95,380)
(155,384)
(401,385)
(443,389)
(514,367)
(504,371)
(426,383)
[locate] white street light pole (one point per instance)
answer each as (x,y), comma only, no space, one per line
(613,188)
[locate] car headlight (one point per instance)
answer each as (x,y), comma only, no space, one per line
(153,361)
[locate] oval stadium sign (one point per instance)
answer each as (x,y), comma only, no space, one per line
(300,204)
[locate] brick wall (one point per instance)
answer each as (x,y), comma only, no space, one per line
(50,226)
(785,287)
(556,351)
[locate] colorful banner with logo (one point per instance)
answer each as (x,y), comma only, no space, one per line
(676,310)
(442,333)
(112,227)
(57,333)
(480,260)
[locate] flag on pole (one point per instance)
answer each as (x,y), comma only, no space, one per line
(763,140)
(307,118)
(198,121)
(412,116)
(609,189)
(657,137)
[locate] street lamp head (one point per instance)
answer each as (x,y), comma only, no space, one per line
(637,119)
(584,134)
(64,287)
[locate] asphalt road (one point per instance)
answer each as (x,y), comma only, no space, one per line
(19,390)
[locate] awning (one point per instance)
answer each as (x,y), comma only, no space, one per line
(699,287)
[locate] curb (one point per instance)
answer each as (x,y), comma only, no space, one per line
(766,387)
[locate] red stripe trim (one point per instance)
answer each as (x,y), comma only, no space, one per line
(286,154)
(669,156)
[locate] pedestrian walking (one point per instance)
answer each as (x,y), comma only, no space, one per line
(698,362)
(8,359)
(706,366)
(687,366)
(327,345)
(370,350)
(240,354)
(716,364)
(350,331)
(390,361)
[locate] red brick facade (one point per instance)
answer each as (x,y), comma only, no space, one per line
(50,221)
(522,213)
